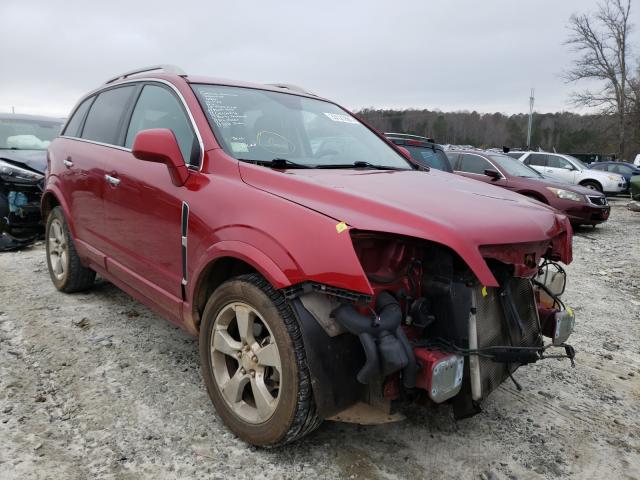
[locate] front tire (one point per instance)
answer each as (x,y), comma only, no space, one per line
(65,268)
(592,185)
(254,363)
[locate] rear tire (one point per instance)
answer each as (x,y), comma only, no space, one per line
(592,185)
(65,268)
(254,363)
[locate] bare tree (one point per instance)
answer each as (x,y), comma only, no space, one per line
(601,39)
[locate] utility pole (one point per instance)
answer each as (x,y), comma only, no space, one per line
(13,109)
(531,100)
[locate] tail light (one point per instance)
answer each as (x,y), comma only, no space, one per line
(441,373)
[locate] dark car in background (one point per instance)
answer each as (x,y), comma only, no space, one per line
(423,150)
(627,170)
(583,206)
(23,160)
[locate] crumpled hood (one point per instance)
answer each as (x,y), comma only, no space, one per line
(33,159)
(461,213)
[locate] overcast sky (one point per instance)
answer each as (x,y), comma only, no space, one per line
(480,55)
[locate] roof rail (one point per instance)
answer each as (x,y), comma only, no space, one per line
(165,68)
(293,88)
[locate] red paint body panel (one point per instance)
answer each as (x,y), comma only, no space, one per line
(283,223)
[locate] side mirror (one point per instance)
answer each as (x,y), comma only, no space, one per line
(159,145)
(492,174)
(405,153)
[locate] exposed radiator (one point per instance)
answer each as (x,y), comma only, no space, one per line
(494,328)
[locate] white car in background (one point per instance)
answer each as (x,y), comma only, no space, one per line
(568,169)
(636,162)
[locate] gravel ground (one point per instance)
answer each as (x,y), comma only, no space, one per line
(95,385)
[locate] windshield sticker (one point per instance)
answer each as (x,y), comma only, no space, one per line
(339,117)
(239,147)
(223,115)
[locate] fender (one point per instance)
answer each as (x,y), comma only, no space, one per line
(52,190)
(248,254)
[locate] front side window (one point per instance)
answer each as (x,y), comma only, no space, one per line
(27,134)
(474,164)
(260,126)
(536,159)
(431,157)
(157,107)
(75,122)
(554,161)
(103,120)
(514,167)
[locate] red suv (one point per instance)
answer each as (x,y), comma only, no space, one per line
(326,276)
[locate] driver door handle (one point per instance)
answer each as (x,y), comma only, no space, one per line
(112,180)
(67,162)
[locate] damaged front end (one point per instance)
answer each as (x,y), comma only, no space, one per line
(431,331)
(20,193)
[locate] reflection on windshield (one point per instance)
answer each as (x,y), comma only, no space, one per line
(260,126)
(27,134)
(514,167)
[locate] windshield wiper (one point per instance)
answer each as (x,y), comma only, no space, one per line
(361,164)
(279,163)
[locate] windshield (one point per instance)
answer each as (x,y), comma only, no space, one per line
(430,157)
(514,167)
(21,134)
(260,126)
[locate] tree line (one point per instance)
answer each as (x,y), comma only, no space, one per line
(564,131)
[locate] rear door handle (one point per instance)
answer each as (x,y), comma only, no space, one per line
(67,162)
(112,180)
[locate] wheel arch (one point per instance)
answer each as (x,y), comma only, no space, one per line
(593,181)
(226,260)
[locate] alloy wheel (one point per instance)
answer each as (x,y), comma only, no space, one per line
(246,362)
(58,254)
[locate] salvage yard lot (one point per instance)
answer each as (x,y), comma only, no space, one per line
(95,384)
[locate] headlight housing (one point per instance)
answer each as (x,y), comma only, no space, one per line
(14,174)
(615,178)
(566,194)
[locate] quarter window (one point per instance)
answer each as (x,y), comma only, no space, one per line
(75,123)
(157,107)
(474,164)
(103,121)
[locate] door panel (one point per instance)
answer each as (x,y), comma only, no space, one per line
(560,168)
(83,187)
(142,215)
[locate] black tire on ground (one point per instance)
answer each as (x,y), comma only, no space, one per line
(592,185)
(74,276)
(294,415)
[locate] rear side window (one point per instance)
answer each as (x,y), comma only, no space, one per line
(105,116)
(157,107)
(474,164)
(75,123)
(536,159)
(431,157)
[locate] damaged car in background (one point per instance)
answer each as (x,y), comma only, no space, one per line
(23,159)
(326,276)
